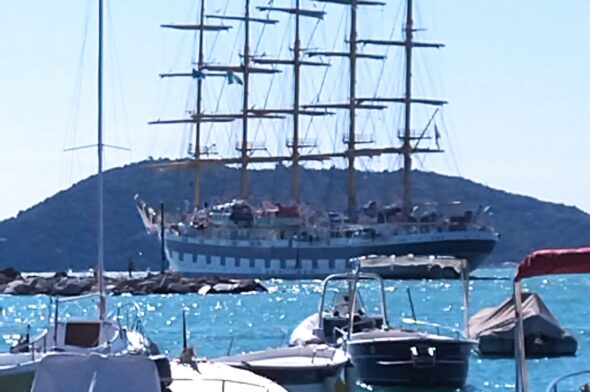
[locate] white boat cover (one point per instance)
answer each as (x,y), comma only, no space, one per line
(494,327)
(413,261)
(96,373)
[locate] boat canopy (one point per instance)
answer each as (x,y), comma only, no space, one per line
(100,373)
(542,262)
(554,261)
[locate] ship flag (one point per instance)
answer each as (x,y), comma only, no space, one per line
(436,136)
(233,78)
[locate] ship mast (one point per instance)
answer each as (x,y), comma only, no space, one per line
(197,153)
(353,104)
(407,204)
(205,70)
(296,111)
(197,117)
(410,143)
(351,189)
(246,70)
(296,175)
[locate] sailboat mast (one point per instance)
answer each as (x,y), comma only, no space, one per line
(100,264)
(246,68)
(352,202)
(197,155)
(296,180)
(407,147)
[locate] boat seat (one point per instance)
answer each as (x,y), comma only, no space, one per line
(360,323)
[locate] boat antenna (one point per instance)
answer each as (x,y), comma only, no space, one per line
(355,280)
(465,284)
(184,331)
(411,303)
(162,239)
(100,265)
(55,322)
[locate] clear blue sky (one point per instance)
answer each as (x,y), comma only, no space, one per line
(515,74)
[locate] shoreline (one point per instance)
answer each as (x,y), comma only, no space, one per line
(13,282)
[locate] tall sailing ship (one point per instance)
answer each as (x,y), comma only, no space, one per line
(239,239)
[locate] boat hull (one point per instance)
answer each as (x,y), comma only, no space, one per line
(303,380)
(289,259)
(19,382)
(17,377)
(411,362)
(299,369)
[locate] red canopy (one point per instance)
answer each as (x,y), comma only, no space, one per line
(554,261)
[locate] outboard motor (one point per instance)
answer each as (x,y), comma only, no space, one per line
(164,371)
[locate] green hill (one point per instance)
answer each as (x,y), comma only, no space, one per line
(60,232)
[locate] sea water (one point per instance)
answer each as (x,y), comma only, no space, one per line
(219,324)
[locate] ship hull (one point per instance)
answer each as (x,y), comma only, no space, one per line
(291,259)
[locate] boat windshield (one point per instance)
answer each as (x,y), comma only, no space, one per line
(342,303)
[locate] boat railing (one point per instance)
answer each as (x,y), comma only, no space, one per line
(27,344)
(554,385)
(342,332)
(438,327)
(127,315)
(433,227)
(320,349)
(280,335)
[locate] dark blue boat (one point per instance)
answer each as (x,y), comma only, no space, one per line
(380,354)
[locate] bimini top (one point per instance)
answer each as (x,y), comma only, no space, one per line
(554,261)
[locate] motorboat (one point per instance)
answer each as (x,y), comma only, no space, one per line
(540,263)
(380,353)
(493,328)
(311,368)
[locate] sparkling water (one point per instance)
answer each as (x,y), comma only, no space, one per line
(219,324)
